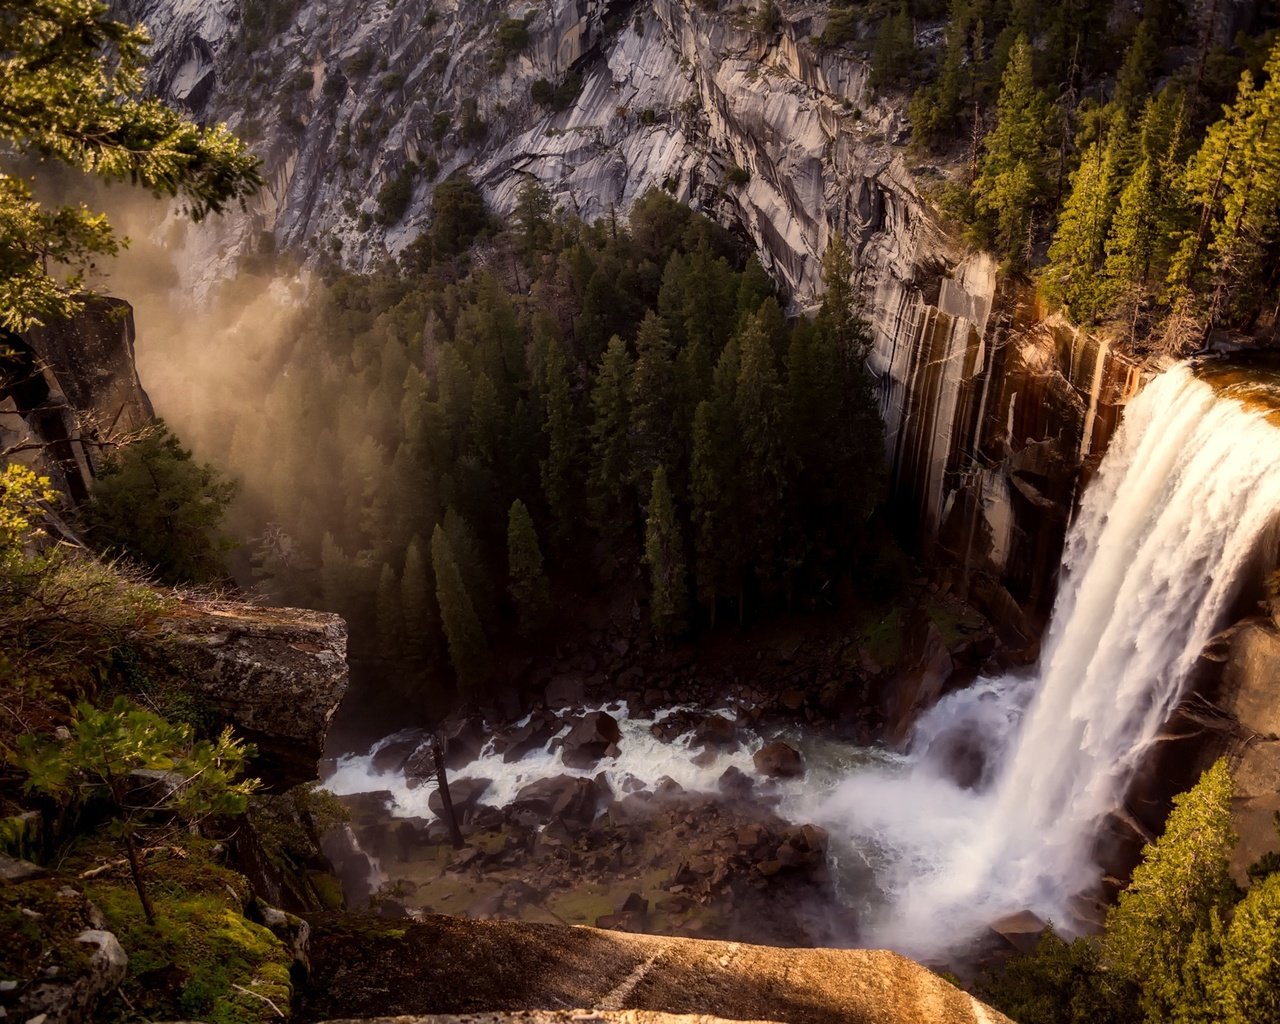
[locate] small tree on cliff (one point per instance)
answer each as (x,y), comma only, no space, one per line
(107,745)
(72,89)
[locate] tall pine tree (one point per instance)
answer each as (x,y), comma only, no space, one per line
(468,649)
(527,582)
(664,554)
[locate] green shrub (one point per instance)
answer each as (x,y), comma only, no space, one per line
(156,505)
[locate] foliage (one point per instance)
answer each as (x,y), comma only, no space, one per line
(462,630)
(663,552)
(106,746)
(72,90)
(1181,886)
(1060,982)
(63,615)
(395,195)
(154,503)
(1010,180)
(528,582)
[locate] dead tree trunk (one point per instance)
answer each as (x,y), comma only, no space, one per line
(442,783)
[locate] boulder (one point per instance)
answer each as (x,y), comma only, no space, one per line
(463,741)
(533,735)
(393,756)
(778,760)
(276,675)
(922,681)
(588,740)
(573,800)
(1020,931)
(465,794)
(734,782)
(717,731)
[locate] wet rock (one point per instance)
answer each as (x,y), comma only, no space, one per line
(392,757)
(734,782)
(920,684)
(778,760)
(706,758)
(533,735)
(588,740)
(573,800)
(623,922)
(465,794)
(717,731)
(667,787)
(1021,931)
(463,741)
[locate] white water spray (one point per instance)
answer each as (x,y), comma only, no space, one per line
(1188,486)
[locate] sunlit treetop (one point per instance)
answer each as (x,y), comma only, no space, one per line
(71,81)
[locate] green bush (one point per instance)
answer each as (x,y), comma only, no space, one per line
(156,505)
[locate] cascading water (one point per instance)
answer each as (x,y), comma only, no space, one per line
(1186,489)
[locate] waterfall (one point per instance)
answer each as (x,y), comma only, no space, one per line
(1179,503)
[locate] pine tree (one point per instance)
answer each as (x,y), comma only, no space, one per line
(653,400)
(714,484)
(561,469)
(1234,182)
(1071,277)
(1246,988)
(664,554)
(528,586)
(468,650)
(894,51)
(609,482)
(1131,243)
(1182,882)
(468,556)
(417,602)
(758,409)
(532,216)
(388,616)
(1010,181)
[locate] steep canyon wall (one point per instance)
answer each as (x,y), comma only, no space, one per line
(991,414)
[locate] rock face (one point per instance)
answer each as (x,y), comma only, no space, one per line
(447,966)
(993,417)
(72,389)
(275,674)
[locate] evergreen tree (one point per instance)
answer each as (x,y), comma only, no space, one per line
(1010,183)
(1234,183)
(468,650)
(417,603)
(1071,277)
(532,216)
(1183,881)
(389,618)
(154,503)
(562,466)
(893,55)
(528,586)
(1131,243)
(1246,989)
(468,556)
(664,554)
(758,409)
(653,400)
(609,482)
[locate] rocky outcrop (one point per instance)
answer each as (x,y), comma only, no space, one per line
(275,674)
(69,391)
(550,1017)
(994,420)
(446,965)
(1251,694)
